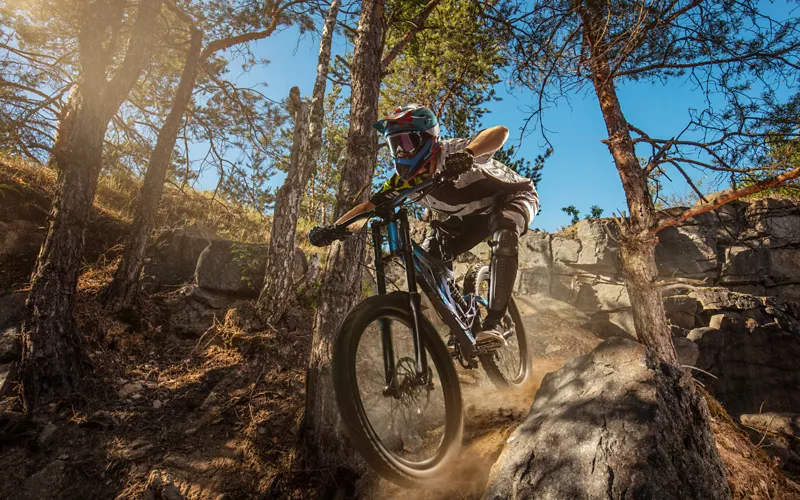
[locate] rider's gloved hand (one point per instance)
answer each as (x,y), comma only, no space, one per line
(322,236)
(459,162)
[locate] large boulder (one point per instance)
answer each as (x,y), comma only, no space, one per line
(587,247)
(689,250)
(614,423)
(753,369)
(19,237)
(535,262)
(232,267)
(556,331)
(172,257)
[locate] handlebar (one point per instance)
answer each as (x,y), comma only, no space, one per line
(434,181)
(329,234)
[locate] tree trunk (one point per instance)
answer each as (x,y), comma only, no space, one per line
(278,280)
(637,244)
(341,281)
(51,347)
(305,149)
(126,278)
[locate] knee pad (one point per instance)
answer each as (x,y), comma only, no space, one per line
(503,269)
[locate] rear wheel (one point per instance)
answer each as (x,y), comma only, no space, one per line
(407,436)
(508,366)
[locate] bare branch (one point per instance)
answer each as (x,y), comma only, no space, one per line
(723,197)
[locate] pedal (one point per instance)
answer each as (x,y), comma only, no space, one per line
(488,345)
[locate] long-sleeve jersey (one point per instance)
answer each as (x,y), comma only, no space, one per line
(475,191)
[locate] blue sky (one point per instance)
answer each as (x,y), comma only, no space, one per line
(580,172)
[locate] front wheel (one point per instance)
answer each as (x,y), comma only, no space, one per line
(508,366)
(410,433)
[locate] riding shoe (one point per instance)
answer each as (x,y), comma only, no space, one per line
(491,333)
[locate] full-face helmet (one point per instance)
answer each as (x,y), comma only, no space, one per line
(412,134)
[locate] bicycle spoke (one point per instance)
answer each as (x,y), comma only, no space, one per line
(410,422)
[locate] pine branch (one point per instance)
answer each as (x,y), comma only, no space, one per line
(716,200)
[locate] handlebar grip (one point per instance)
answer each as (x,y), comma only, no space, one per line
(322,236)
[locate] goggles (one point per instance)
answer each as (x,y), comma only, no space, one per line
(405,144)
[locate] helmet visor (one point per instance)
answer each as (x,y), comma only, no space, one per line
(405,144)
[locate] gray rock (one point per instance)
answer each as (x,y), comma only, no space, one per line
(717,298)
(687,251)
(232,267)
(726,322)
(698,333)
(19,237)
(613,324)
(10,344)
(756,369)
(784,265)
(777,423)
(534,251)
(46,483)
(784,227)
(613,424)
(12,307)
(602,296)
(531,281)
(190,317)
(688,352)
(599,251)
(555,329)
(681,310)
(534,263)
(172,257)
(214,300)
(682,320)
(743,264)
(566,251)
(680,303)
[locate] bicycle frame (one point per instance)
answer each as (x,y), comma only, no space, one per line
(425,271)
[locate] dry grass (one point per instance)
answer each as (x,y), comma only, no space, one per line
(751,474)
(116,194)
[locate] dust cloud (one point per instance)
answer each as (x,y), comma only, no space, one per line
(490,416)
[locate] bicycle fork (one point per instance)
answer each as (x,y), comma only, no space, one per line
(399,244)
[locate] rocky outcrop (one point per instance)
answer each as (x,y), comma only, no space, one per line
(750,248)
(172,257)
(206,275)
(19,238)
(613,423)
(232,267)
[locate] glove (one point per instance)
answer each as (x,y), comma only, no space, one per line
(322,236)
(458,163)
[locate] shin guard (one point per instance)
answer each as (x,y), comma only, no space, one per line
(502,270)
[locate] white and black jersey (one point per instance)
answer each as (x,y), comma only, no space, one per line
(476,191)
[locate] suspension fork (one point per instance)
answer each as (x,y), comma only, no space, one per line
(384,324)
(414,302)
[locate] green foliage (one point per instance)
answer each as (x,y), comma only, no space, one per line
(522,166)
(450,66)
(247,259)
(320,201)
(574,212)
(595,212)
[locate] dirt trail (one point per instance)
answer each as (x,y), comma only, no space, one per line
(489,418)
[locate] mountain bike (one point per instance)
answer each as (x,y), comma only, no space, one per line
(394,376)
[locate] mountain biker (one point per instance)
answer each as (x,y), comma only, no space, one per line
(487,200)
